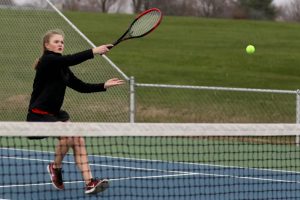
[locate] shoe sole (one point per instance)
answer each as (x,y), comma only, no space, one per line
(48,169)
(102,186)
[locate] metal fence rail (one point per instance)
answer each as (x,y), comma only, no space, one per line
(265,105)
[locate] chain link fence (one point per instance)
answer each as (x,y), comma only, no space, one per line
(197,104)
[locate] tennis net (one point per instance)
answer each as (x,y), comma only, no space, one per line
(154,161)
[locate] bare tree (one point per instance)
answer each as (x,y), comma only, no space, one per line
(39,3)
(291,12)
(166,6)
(257,9)
(6,2)
(121,5)
(212,8)
(205,8)
(137,5)
(91,5)
(104,5)
(31,3)
(140,5)
(71,4)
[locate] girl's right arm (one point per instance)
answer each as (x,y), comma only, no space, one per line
(103,49)
(74,59)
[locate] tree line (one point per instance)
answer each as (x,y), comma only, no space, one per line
(236,9)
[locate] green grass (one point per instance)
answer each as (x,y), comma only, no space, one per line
(196,51)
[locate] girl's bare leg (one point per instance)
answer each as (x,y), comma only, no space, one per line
(81,158)
(61,150)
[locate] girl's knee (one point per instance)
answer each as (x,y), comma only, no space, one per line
(69,141)
(79,141)
(64,141)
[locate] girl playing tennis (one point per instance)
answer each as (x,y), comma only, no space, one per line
(52,76)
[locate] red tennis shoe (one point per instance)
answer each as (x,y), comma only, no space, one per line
(56,177)
(96,185)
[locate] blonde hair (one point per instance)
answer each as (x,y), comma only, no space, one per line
(46,39)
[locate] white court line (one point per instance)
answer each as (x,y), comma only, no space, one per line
(215,175)
(164,176)
(173,162)
(180,173)
(116,179)
(93,164)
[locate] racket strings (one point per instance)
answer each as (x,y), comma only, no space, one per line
(145,24)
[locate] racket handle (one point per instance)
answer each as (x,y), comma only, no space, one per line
(114,44)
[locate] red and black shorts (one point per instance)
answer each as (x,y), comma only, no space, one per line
(36,115)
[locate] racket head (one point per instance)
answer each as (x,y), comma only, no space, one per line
(143,24)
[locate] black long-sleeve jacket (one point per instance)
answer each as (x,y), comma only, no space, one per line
(53,76)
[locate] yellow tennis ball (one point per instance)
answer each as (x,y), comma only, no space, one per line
(250,49)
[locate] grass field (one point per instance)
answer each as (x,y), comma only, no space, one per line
(197,51)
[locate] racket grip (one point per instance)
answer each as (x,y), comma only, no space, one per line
(114,44)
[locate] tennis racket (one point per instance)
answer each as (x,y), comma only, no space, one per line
(143,24)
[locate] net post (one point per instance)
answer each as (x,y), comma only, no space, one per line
(297,114)
(132,100)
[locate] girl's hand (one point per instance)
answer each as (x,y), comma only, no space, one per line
(113,82)
(103,49)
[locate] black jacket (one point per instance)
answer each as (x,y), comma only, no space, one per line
(53,76)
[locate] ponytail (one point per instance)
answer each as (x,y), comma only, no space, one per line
(36,62)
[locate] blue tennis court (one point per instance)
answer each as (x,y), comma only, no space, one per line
(24,176)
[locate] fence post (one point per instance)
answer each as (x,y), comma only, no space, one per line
(297,114)
(132,100)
